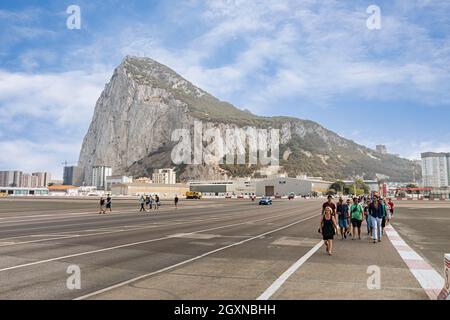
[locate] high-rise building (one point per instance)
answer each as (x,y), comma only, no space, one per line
(10,178)
(6,178)
(164,176)
(41,180)
(71,176)
(26,181)
(99,174)
(381,149)
(436,169)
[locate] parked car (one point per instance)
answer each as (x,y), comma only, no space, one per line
(265,201)
(291,196)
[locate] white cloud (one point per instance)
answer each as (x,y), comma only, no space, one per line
(66,98)
(28,156)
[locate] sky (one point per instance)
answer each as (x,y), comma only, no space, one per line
(315,60)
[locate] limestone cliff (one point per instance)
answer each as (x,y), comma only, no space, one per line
(145,101)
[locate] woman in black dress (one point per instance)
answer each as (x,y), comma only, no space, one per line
(328,229)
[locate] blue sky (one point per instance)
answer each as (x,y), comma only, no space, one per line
(311,59)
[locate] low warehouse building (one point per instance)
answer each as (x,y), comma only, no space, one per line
(284,186)
(226,187)
(162,190)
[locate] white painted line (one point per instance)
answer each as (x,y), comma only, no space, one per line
(397,243)
(409,255)
(429,279)
(125,245)
(282,279)
(191,260)
(139,227)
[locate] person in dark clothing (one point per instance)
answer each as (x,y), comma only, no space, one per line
(148,202)
(176,201)
(376,216)
(330,204)
(102,206)
(342,211)
(109,203)
(157,203)
(328,229)
(142,203)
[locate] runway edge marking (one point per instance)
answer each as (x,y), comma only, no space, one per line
(429,279)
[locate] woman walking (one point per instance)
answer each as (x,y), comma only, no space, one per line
(356,212)
(102,206)
(328,229)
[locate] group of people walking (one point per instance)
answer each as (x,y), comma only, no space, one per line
(346,218)
(105,204)
(149,202)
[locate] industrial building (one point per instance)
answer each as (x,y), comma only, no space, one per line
(277,186)
(284,186)
(63,190)
(118,179)
(19,191)
(162,190)
(224,187)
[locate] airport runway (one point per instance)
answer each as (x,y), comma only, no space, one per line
(206,249)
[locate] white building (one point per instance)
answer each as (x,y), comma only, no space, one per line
(99,175)
(381,149)
(435,169)
(10,178)
(41,179)
(113,180)
(164,176)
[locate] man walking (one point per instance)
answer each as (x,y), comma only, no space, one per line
(342,213)
(142,203)
(376,216)
(109,203)
(176,201)
(330,204)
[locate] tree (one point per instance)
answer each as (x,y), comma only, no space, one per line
(338,186)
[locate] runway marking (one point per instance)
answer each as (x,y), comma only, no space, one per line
(285,276)
(429,279)
(196,236)
(138,227)
(123,245)
(291,241)
(191,259)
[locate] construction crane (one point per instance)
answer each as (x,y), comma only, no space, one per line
(65,163)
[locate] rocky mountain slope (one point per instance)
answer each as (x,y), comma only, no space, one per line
(145,101)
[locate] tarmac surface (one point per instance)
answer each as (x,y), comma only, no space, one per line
(206,249)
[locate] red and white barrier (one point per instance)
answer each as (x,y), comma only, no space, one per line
(445,293)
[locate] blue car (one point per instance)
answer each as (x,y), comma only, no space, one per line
(265,201)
